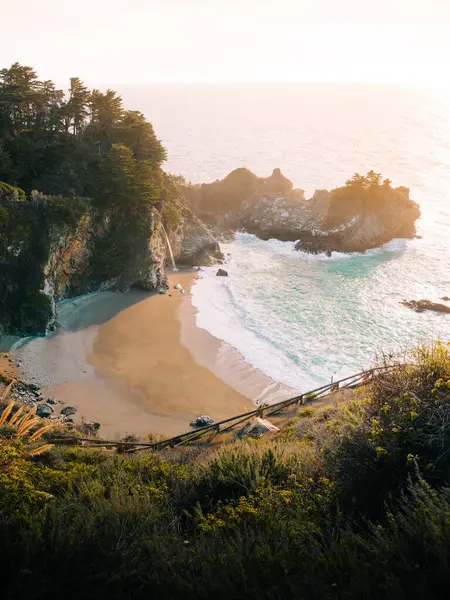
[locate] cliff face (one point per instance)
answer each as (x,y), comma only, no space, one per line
(194,244)
(358,227)
(266,206)
(52,252)
(363,214)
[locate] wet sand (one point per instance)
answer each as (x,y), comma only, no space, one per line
(148,368)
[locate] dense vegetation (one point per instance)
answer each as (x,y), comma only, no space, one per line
(62,156)
(349,502)
(81,143)
(362,194)
(60,143)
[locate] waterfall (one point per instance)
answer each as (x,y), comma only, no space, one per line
(174,266)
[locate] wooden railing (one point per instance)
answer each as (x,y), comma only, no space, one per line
(227,425)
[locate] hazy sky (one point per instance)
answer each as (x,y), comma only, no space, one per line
(134,41)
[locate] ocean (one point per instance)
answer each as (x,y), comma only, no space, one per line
(303,319)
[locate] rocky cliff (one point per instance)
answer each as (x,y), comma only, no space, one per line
(347,221)
(243,200)
(193,243)
(365,213)
(51,249)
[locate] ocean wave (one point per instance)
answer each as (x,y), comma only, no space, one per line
(303,318)
(288,248)
(223,317)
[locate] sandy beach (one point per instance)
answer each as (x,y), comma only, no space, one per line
(145,367)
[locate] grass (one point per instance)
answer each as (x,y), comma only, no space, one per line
(348,502)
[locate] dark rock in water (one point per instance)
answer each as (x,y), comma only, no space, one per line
(44,411)
(68,410)
(222,273)
(202,421)
(445,298)
(51,401)
(423,305)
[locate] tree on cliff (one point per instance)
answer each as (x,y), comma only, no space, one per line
(371,181)
(56,142)
(125,182)
(77,107)
(138,134)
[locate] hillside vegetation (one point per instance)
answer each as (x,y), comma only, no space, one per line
(349,502)
(80,178)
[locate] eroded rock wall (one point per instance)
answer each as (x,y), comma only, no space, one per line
(45,259)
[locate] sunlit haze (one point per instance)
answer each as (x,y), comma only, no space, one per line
(142,41)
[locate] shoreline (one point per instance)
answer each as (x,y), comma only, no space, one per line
(147,368)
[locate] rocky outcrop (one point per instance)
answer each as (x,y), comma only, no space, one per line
(359,227)
(194,244)
(231,203)
(268,207)
(423,305)
(365,213)
(53,251)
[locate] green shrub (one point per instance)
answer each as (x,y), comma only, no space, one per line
(355,504)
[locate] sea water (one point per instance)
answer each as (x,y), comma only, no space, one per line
(299,318)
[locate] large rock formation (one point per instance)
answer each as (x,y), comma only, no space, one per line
(267,207)
(194,244)
(423,305)
(52,249)
(365,213)
(347,221)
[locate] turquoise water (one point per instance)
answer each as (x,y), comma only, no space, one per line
(303,319)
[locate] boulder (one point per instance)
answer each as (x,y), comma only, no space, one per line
(177,286)
(202,421)
(194,243)
(222,273)
(445,298)
(69,410)
(44,411)
(423,305)
(51,401)
(256,428)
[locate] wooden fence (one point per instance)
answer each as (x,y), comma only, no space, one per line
(227,425)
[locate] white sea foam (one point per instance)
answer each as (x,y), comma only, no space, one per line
(302,318)
(218,314)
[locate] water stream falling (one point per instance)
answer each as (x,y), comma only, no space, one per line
(172,260)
